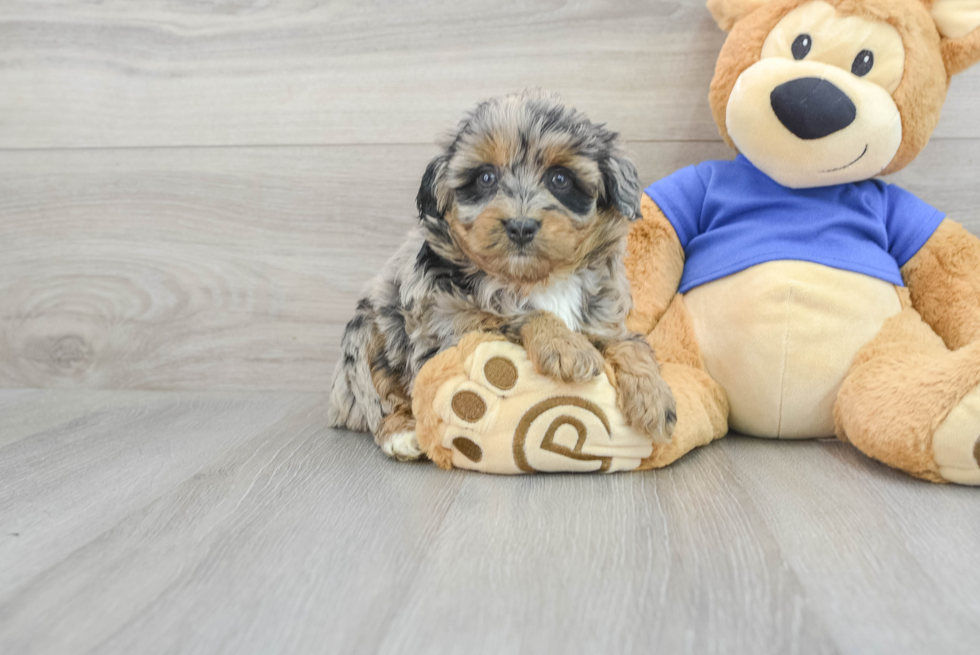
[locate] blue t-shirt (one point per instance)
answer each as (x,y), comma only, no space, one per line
(729,216)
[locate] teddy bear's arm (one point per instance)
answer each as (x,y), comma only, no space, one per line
(943,279)
(654,264)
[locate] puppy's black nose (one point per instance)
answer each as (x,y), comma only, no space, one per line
(812,108)
(522,230)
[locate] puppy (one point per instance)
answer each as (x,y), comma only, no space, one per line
(522,231)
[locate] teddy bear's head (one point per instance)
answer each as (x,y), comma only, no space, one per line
(821,92)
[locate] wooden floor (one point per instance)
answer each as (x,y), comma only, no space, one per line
(191,195)
(194,522)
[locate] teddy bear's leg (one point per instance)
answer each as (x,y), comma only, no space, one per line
(702,405)
(912,403)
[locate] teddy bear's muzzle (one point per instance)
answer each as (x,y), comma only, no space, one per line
(812,108)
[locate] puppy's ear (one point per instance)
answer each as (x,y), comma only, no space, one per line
(621,186)
(728,12)
(428,198)
(958,22)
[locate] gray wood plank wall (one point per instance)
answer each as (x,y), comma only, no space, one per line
(192,193)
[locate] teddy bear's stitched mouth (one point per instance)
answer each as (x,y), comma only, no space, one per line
(863,153)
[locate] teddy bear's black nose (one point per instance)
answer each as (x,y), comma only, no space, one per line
(812,108)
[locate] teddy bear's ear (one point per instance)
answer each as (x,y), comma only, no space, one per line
(728,12)
(958,22)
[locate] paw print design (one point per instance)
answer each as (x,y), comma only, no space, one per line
(499,415)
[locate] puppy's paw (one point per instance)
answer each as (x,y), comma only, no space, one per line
(565,355)
(647,404)
(403,446)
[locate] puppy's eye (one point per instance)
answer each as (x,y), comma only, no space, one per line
(481,185)
(568,190)
(560,180)
(801,46)
(863,63)
(486,180)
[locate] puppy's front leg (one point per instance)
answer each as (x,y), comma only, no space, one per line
(396,435)
(558,352)
(644,398)
(396,431)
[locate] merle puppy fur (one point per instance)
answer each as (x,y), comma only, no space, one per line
(522,231)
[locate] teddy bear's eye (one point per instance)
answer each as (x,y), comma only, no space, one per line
(801,46)
(863,63)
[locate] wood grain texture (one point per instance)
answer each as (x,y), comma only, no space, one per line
(179,261)
(909,548)
(78,476)
(245,72)
(166,522)
(675,562)
(237,268)
(192,194)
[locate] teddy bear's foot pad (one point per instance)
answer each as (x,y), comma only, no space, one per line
(501,416)
(956,444)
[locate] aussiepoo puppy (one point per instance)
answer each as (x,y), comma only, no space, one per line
(523,222)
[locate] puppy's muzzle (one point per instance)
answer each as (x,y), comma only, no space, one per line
(522,230)
(812,108)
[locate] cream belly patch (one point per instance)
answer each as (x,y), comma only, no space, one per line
(780,337)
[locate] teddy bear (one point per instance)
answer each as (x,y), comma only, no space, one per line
(789,293)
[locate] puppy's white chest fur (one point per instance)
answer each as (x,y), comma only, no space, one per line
(563,298)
